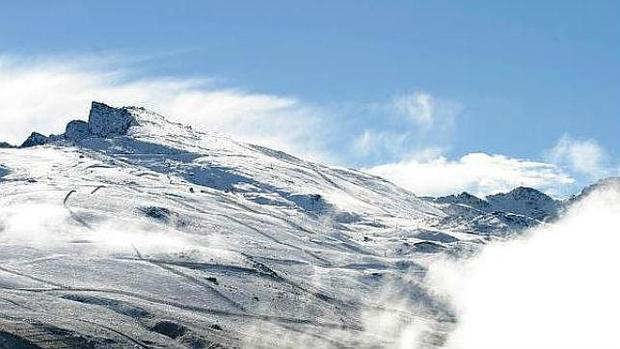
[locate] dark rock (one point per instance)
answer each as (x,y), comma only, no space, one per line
(464,199)
(169,329)
(76,130)
(216,327)
(312,203)
(160,214)
(9,340)
(436,236)
(525,201)
(34,140)
(106,121)
(428,247)
(117,306)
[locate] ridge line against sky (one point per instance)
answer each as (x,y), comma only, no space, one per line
(63,92)
(398,88)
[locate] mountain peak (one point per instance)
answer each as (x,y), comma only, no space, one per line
(526,201)
(34,139)
(6,145)
(105,121)
(522,193)
(464,198)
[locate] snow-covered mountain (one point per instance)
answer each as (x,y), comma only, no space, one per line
(133,231)
(497,214)
(611,183)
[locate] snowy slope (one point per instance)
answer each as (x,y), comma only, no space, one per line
(499,214)
(133,231)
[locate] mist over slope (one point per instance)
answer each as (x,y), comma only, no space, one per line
(554,287)
(129,230)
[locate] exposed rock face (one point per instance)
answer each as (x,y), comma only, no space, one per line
(525,201)
(522,200)
(76,130)
(35,139)
(106,121)
(465,199)
(500,213)
(103,121)
(3,172)
(5,145)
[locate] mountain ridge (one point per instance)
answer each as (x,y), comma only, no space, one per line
(105,121)
(160,235)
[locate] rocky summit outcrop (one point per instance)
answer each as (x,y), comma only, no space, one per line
(521,200)
(465,198)
(77,129)
(106,121)
(500,213)
(525,201)
(103,121)
(34,139)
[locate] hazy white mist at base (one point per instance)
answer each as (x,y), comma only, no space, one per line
(558,287)
(48,226)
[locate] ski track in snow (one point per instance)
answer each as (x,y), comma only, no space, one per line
(172,237)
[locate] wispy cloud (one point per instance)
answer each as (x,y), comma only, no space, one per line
(372,142)
(419,107)
(44,94)
(584,156)
(410,123)
(425,111)
(478,173)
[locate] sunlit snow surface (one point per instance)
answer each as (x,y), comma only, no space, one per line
(170,237)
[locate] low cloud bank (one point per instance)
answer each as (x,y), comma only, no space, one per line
(477,173)
(45,226)
(556,287)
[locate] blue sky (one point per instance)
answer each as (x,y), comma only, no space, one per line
(500,77)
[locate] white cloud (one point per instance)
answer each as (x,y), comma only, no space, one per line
(426,111)
(555,287)
(43,95)
(478,173)
(412,121)
(418,107)
(377,142)
(583,156)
